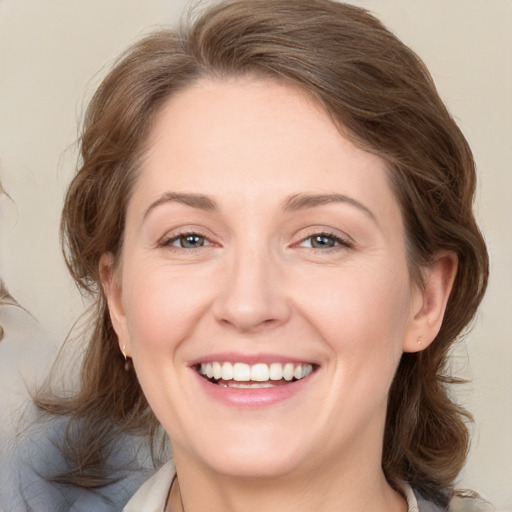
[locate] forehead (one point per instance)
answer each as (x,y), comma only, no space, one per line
(255,139)
(238,114)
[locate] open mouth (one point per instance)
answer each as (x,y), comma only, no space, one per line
(260,375)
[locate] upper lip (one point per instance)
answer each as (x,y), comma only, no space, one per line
(250,359)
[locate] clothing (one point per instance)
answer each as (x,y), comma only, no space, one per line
(152,497)
(30,463)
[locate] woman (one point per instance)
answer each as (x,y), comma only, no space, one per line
(273,216)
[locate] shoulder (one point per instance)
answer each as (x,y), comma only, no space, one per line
(152,495)
(470,502)
(31,466)
(457,504)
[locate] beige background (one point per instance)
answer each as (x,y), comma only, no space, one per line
(53,54)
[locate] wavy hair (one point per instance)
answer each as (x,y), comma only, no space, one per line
(377,91)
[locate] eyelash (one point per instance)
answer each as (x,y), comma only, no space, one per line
(168,242)
(337,240)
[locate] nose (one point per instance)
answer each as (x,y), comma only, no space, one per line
(252,296)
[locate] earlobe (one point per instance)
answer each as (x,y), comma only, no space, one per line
(431,302)
(112,290)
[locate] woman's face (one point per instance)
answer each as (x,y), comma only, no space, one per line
(260,245)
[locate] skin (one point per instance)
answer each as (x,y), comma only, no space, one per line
(257,285)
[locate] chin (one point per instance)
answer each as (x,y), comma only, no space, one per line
(251,466)
(249,454)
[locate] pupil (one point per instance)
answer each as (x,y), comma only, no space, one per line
(322,241)
(191,241)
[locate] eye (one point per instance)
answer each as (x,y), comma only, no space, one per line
(324,241)
(186,241)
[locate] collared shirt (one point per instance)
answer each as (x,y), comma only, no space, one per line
(152,496)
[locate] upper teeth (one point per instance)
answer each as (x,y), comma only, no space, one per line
(257,372)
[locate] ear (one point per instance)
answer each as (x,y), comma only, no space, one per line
(111,285)
(429,301)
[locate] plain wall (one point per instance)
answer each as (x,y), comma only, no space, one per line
(53,54)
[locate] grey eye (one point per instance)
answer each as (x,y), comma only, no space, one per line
(322,241)
(191,241)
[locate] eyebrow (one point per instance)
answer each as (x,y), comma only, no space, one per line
(291,204)
(199,201)
(304,201)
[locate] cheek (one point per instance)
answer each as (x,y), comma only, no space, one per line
(162,307)
(359,313)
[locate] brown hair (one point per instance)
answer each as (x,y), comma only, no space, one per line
(375,89)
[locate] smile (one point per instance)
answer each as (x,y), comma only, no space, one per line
(260,375)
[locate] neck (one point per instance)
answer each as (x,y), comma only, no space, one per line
(338,488)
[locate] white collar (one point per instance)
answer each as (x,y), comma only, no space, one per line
(152,495)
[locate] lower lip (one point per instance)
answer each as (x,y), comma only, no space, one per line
(255,397)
